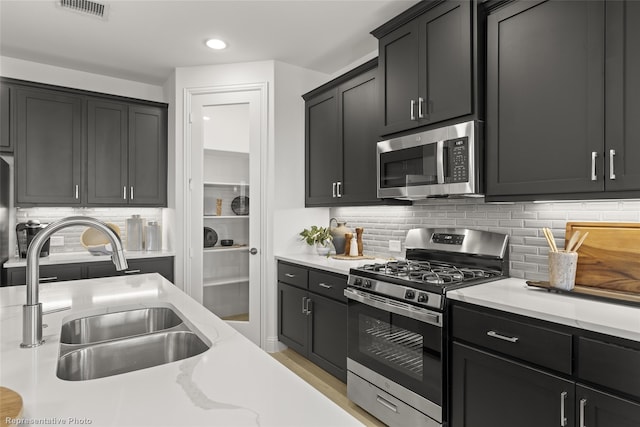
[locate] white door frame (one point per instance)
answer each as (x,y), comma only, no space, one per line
(193,289)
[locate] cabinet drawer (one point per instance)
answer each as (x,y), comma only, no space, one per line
(293,275)
(609,365)
(330,285)
(544,347)
(48,273)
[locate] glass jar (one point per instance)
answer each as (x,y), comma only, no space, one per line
(153,236)
(135,237)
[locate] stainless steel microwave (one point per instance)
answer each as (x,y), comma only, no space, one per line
(440,162)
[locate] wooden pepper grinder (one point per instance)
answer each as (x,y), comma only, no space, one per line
(359,231)
(347,243)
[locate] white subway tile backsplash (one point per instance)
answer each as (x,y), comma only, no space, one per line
(523,221)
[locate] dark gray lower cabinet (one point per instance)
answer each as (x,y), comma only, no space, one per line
(488,390)
(312,316)
(92,270)
(493,382)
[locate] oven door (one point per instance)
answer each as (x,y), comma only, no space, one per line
(398,341)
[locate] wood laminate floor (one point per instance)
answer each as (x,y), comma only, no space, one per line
(326,383)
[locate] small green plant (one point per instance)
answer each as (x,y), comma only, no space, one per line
(316,235)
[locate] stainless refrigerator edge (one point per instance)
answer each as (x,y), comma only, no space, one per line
(4,216)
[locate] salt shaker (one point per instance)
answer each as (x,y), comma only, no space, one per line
(353,249)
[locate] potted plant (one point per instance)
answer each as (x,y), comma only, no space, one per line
(320,237)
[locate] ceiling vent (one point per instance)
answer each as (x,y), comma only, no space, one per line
(86,7)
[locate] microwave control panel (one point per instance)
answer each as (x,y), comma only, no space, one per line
(458,161)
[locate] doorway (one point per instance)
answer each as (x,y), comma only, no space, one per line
(225,163)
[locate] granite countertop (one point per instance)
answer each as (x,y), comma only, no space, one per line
(340,266)
(233,383)
(514,296)
(78,257)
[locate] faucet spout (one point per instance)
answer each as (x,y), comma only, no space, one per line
(32,310)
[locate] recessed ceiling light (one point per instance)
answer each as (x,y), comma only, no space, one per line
(216,44)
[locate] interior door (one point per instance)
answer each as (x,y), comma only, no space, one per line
(225,201)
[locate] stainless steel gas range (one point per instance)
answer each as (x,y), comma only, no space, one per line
(396,365)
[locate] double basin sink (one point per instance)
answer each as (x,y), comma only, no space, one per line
(123,341)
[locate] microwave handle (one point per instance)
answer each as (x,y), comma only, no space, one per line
(441,162)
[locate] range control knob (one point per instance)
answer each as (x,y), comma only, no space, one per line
(357,281)
(409,294)
(367,283)
(423,297)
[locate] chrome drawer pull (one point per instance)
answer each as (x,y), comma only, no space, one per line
(304,305)
(563,419)
(289,275)
(612,173)
(583,405)
(48,279)
(132,272)
(494,334)
(413,107)
(324,285)
(594,156)
(384,402)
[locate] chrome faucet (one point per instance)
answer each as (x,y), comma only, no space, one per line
(32,310)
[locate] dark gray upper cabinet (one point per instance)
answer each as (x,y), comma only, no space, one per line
(6,143)
(341,136)
(78,148)
(48,151)
(147,156)
(560,115)
(126,150)
(427,65)
(107,134)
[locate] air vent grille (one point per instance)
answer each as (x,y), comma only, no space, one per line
(85,6)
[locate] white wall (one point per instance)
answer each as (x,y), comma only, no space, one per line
(43,73)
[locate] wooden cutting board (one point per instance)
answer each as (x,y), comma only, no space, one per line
(609,258)
(10,405)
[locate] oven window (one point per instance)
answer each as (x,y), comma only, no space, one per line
(393,346)
(409,167)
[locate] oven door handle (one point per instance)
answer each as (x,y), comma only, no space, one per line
(393,306)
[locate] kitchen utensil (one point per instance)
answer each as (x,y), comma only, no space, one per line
(610,256)
(226,242)
(135,236)
(550,240)
(240,205)
(153,236)
(210,237)
(562,269)
(25,232)
(96,242)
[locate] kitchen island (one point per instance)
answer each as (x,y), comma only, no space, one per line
(234,383)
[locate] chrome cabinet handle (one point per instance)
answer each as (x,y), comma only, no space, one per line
(583,405)
(334,189)
(324,285)
(304,305)
(339,188)
(420,104)
(289,275)
(77,192)
(563,419)
(48,279)
(132,272)
(612,173)
(124,192)
(307,306)
(594,156)
(494,334)
(132,192)
(253,251)
(413,107)
(384,402)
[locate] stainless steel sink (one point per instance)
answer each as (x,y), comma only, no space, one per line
(130,354)
(123,341)
(105,327)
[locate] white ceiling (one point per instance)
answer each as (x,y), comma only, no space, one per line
(144,40)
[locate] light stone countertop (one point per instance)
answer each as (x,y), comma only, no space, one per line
(78,257)
(234,383)
(339,266)
(514,296)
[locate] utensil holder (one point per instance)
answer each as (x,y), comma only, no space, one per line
(562,269)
